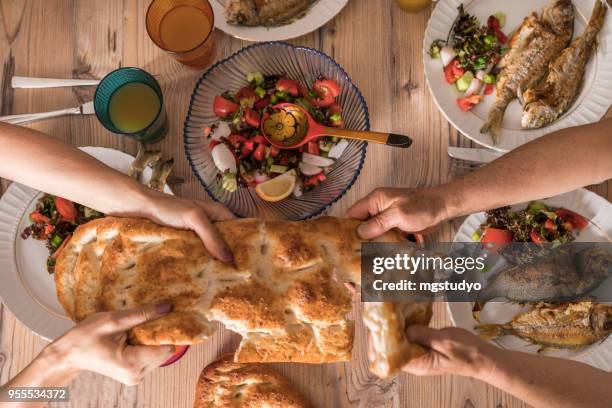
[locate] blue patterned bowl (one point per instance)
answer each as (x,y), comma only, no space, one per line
(300,63)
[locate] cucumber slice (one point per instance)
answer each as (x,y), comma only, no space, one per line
(464,82)
(277,168)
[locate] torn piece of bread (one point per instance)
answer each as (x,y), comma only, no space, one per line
(284,293)
(227,384)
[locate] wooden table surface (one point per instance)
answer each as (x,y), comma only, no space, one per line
(378,45)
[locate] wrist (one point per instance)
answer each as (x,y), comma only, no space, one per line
(488,365)
(447,204)
(58,362)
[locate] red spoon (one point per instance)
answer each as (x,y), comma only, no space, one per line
(291,126)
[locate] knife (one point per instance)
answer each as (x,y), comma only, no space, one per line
(85,109)
(473,155)
(33,82)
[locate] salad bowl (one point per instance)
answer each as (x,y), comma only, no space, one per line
(304,65)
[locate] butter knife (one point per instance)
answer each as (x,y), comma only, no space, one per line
(85,109)
(473,154)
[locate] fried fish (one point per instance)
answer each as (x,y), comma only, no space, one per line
(563,276)
(538,40)
(549,100)
(563,326)
(265,12)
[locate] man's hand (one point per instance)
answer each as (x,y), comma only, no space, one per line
(451,351)
(410,210)
(99,344)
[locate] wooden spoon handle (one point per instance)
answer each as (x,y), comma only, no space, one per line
(389,139)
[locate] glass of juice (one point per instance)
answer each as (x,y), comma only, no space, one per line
(413,6)
(129,101)
(183,28)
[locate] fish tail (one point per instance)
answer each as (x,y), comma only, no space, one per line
(492,331)
(596,21)
(494,121)
(476,309)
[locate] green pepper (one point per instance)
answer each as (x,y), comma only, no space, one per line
(269,161)
(255,78)
(489,78)
(273,99)
(490,39)
(260,91)
(56,241)
(281,94)
(335,117)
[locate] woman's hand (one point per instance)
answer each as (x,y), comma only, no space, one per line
(410,210)
(99,344)
(451,351)
(183,213)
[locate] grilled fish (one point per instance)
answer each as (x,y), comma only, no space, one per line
(563,326)
(538,40)
(143,159)
(546,102)
(161,171)
(265,12)
(563,276)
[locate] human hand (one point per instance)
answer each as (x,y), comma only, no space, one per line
(194,215)
(99,344)
(410,210)
(451,351)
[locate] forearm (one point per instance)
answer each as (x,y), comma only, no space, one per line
(553,164)
(47,164)
(548,382)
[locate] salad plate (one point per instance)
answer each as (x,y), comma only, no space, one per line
(299,68)
(27,289)
(591,206)
(591,104)
(315,17)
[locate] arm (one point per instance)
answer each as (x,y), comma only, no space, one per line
(538,380)
(98,344)
(553,164)
(47,164)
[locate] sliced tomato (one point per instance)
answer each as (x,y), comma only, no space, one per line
(223,107)
(335,108)
(180,352)
(236,139)
(247,148)
(488,90)
(259,138)
(497,236)
(274,151)
(66,208)
(288,85)
(321,176)
(537,237)
(312,181)
(252,117)
(247,92)
(260,152)
(284,161)
(49,229)
(212,144)
(493,23)
(466,103)
(501,37)
(262,103)
(313,148)
(453,71)
(37,217)
(577,220)
(549,225)
(326,87)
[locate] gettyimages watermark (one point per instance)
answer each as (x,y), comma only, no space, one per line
(466,272)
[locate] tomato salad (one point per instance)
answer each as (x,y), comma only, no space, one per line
(242,154)
(54,220)
(469,56)
(536,223)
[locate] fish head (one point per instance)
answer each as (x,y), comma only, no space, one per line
(603,317)
(559,15)
(537,114)
(594,261)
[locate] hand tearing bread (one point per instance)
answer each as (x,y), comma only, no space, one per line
(284,294)
(226,384)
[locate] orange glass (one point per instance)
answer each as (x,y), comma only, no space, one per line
(413,6)
(184,29)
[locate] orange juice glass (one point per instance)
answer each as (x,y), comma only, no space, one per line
(184,29)
(413,6)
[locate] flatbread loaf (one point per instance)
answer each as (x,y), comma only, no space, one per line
(227,384)
(284,293)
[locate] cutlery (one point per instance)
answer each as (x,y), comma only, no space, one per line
(473,155)
(292,126)
(33,82)
(85,109)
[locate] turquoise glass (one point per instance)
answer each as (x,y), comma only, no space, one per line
(115,80)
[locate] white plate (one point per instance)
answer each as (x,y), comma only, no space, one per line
(591,105)
(590,205)
(26,287)
(318,15)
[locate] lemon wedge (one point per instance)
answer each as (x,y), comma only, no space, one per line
(278,188)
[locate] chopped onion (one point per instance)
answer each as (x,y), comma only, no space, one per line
(261,177)
(318,161)
(447,54)
(480,74)
(308,169)
(223,158)
(337,149)
(221,129)
(297,190)
(474,87)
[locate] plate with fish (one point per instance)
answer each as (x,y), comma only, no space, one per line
(273,20)
(512,310)
(28,287)
(505,76)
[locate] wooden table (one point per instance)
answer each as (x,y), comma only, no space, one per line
(378,45)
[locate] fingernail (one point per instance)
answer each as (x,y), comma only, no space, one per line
(227,255)
(163,308)
(362,229)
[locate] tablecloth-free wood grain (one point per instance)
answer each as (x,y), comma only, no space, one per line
(378,45)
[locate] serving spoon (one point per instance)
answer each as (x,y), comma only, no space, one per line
(291,126)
